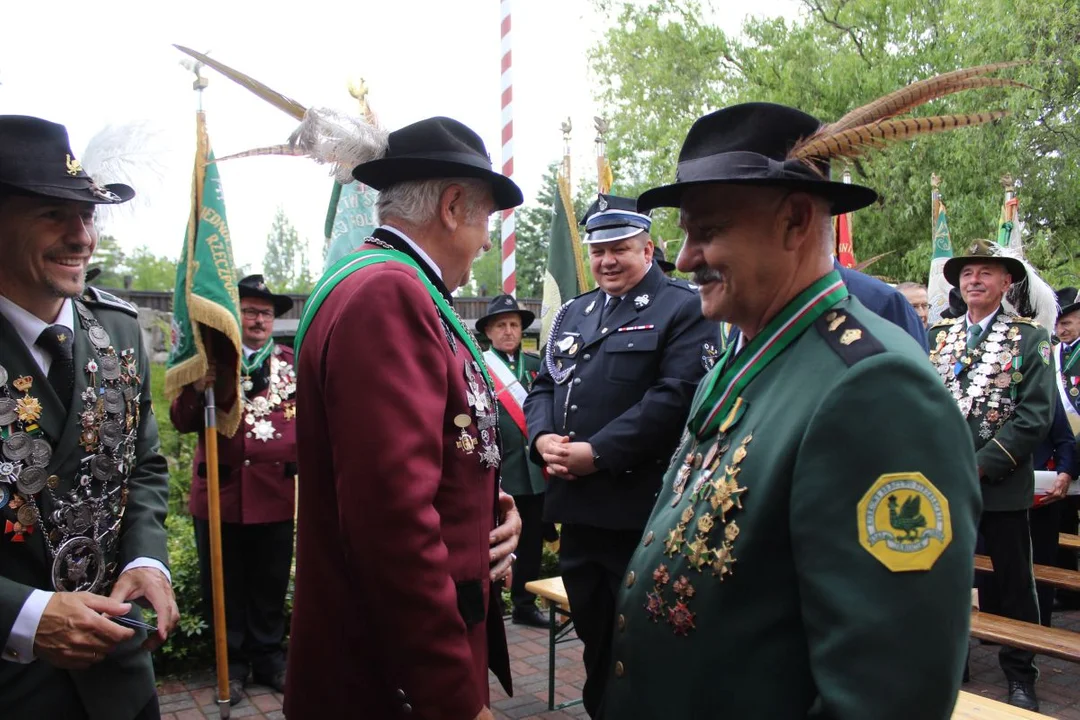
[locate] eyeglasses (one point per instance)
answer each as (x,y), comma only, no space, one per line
(253,314)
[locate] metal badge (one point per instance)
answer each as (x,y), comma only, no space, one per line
(32,480)
(102,467)
(9,471)
(590,307)
(110,367)
(114,400)
(99,337)
(79,566)
(641,301)
(40,452)
(5,495)
(17,446)
(111,434)
(7,411)
(3,375)
(28,515)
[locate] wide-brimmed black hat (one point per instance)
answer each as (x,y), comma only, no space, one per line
(611,218)
(1066,298)
(982,251)
(36,158)
(254,286)
(438,147)
(501,305)
(748,145)
(659,257)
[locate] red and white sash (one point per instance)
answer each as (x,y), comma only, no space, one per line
(508,389)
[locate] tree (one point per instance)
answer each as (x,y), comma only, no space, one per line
(661,66)
(149,271)
(109,258)
(286,266)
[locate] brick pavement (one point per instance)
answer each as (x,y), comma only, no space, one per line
(192,697)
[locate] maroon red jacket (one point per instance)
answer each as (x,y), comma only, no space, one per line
(391,615)
(258,478)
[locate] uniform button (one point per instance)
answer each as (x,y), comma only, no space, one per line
(571,434)
(586,356)
(622,622)
(648,539)
(573,408)
(620,669)
(630,579)
(400,694)
(247,462)
(629,344)
(406,708)
(603,330)
(577,381)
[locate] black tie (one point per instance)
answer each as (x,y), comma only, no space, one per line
(58,341)
(609,308)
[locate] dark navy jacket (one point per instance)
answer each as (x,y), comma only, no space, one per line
(1059,445)
(884,300)
(628,394)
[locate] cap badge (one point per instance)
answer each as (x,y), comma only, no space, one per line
(602,204)
(641,301)
(74,167)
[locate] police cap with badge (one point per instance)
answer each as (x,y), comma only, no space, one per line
(612,218)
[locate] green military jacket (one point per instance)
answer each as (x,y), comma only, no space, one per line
(121,684)
(1005,389)
(812,555)
(519,475)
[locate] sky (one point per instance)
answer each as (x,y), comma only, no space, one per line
(91,65)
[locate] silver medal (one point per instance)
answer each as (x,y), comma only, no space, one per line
(102,467)
(3,375)
(8,412)
(17,446)
(40,452)
(114,400)
(98,337)
(79,566)
(110,367)
(32,480)
(110,434)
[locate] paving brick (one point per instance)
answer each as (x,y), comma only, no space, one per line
(182,701)
(266,703)
(190,715)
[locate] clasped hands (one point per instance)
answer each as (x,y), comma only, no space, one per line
(565,459)
(74,632)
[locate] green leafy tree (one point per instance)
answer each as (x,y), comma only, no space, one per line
(286,266)
(662,66)
(149,271)
(109,258)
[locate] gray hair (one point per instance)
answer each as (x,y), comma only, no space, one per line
(910,286)
(417,202)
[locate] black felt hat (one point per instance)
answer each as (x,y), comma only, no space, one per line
(254,286)
(982,251)
(660,259)
(611,218)
(501,305)
(1066,298)
(748,145)
(36,158)
(438,147)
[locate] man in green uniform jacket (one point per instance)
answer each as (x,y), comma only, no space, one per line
(83,488)
(513,370)
(809,554)
(997,367)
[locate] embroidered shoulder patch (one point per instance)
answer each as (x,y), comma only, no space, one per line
(1044,352)
(95,297)
(904,522)
(848,337)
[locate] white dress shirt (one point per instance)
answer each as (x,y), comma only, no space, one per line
(414,246)
(20,643)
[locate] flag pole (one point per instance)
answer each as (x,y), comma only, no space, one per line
(210,434)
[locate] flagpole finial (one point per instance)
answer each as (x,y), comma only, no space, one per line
(359,89)
(1008,182)
(200,82)
(935,181)
(601,126)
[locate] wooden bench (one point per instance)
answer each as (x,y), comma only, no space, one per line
(1054,642)
(1058,577)
(968,705)
(561,623)
(976,707)
(1068,540)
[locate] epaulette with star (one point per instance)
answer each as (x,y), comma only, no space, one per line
(95,297)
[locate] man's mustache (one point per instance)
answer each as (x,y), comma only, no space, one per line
(705,274)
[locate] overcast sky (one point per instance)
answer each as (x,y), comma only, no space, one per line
(88,65)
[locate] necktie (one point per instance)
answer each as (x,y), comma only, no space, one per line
(609,308)
(57,339)
(974,332)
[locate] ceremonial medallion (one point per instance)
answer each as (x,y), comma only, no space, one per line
(98,336)
(79,566)
(462,420)
(32,480)
(28,409)
(17,446)
(9,471)
(466,443)
(8,412)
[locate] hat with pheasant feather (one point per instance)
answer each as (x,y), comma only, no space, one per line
(774,145)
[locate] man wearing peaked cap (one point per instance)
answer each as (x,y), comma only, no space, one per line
(997,367)
(402,529)
(1067,354)
(512,371)
(257,468)
(786,498)
(603,416)
(83,488)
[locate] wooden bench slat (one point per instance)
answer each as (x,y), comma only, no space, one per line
(550,589)
(1058,577)
(970,706)
(1069,540)
(1026,636)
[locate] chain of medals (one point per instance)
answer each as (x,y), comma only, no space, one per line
(480,394)
(555,369)
(81,526)
(992,371)
(281,386)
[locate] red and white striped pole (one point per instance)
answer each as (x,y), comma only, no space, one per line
(509,238)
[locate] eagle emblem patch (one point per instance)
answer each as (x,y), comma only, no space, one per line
(904,522)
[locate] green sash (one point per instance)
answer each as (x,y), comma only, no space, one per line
(250,365)
(725,382)
(349,264)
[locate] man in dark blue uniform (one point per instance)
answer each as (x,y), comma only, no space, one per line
(604,415)
(884,301)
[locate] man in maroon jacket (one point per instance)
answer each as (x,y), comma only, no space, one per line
(396,612)
(258,490)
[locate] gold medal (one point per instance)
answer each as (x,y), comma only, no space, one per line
(1017,376)
(462,420)
(466,443)
(740,454)
(23,383)
(28,515)
(1074,391)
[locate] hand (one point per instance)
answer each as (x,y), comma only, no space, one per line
(1060,487)
(503,539)
(554,449)
(202,383)
(73,635)
(150,585)
(485,714)
(579,460)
